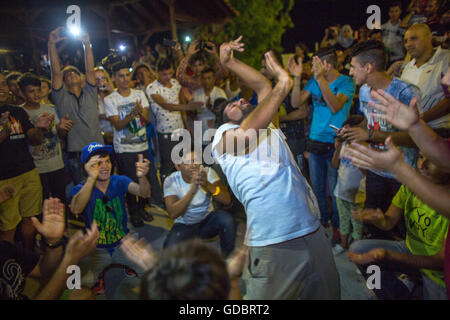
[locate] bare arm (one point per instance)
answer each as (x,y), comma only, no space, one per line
(376,217)
(88,59)
(177,207)
(299,98)
(142,189)
(190,106)
(81,199)
(298,114)
(55,65)
(437,111)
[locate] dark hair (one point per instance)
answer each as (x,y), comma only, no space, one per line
(395,4)
(199,56)
(13,76)
(190,270)
(329,54)
(119,66)
(208,70)
(28,79)
(245,114)
(371,51)
(375,31)
(139,67)
(163,64)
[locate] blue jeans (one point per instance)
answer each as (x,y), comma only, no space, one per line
(216,223)
(391,287)
(321,172)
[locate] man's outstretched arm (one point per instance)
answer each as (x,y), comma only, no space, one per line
(249,76)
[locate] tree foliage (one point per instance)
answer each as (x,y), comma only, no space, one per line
(260,22)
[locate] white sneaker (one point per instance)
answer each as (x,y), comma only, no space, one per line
(337,249)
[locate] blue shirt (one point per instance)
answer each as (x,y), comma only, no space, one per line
(108,210)
(279,203)
(402,91)
(322,114)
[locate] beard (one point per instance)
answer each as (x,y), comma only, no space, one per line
(245,114)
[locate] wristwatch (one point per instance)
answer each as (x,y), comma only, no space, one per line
(54,245)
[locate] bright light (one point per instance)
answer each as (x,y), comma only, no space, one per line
(131,69)
(122,47)
(187,39)
(75,31)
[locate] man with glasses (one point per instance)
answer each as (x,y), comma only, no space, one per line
(101,199)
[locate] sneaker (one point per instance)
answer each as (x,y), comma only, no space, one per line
(136,221)
(337,249)
(147,216)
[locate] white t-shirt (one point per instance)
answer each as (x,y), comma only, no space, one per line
(279,203)
(48,155)
(428,79)
(206,114)
(350,185)
(166,121)
(133,137)
(200,205)
(393,39)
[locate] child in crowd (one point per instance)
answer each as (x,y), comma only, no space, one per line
(349,191)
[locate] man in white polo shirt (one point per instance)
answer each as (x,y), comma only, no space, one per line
(289,254)
(426,70)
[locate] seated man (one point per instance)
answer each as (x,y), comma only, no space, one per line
(188,194)
(422,249)
(100,199)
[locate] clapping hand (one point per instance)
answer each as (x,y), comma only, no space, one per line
(397,113)
(65,123)
(295,69)
(45,121)
(319,68)
(53,222)
(139,252)
(80,245)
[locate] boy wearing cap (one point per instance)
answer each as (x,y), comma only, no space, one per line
(101,199)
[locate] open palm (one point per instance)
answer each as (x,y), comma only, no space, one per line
(53,224)
(295,69)
(395,112)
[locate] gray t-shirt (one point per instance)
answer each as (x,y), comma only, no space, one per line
(83,111)
(47,156)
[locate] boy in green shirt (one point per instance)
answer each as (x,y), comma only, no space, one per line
(422,249)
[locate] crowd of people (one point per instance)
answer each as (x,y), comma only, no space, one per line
(344,150)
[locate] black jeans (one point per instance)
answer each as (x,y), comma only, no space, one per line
(54,184)
(379,194)
(126,163)
(165,148)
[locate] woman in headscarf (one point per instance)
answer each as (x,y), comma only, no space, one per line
(346,38)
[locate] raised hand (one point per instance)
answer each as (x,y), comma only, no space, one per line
(92,167)
(45,120)
(277,70)
(138,108)
(227,48)
(192,48)
(65,123)
(395,112)
(53,222)
(6,192)
(80,245)
(366,158)
(55,35)
(142,166)
(295,69)
(213,47)
(318,67)
(139,251)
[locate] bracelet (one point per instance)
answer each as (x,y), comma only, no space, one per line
(54,245)
(217,191)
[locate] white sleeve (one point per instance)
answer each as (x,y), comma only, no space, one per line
(170,186)
(144,100)
(110,108)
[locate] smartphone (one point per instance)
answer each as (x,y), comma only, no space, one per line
(169,43)
(334,127)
